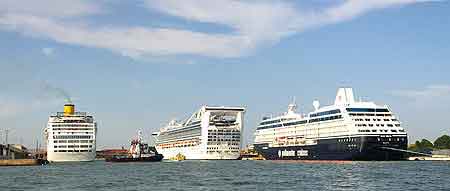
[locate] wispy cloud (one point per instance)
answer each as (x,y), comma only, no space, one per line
(253,24)
(432,93)
(50,8)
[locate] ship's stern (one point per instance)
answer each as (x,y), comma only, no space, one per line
(382,148)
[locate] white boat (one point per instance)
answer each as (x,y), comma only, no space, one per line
(210,133)
(71,136)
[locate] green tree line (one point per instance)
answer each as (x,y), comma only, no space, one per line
(443,142)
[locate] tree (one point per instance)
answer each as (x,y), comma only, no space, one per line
(426,144)
(423,146)
(442,142)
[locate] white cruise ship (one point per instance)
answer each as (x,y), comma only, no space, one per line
(71,136)
(347,130)
(210,133)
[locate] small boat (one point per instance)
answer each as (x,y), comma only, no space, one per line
(178,157)
(251,156)
(139,152)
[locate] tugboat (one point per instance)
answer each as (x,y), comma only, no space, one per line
(139,152)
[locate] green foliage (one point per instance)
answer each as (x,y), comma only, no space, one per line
(442,142)
(426,144)
(421,146)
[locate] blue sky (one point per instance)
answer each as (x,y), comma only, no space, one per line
(137,64)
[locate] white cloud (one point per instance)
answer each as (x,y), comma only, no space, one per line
(430,93)
(257,20)
(252,23)
(49,8)
(128,41)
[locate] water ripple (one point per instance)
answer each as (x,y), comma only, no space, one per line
(229,175)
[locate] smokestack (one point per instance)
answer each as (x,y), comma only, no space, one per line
(69,109)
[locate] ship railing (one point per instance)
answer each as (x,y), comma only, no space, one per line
(76,114)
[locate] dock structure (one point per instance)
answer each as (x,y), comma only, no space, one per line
(18,155)
(13,151)
(23,162)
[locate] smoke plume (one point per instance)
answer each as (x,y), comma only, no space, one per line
(57,92)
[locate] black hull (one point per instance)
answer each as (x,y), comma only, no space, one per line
(156,158)
(363,148)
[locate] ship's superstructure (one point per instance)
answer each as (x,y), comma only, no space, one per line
(210,133)
(71,136)
(347,130)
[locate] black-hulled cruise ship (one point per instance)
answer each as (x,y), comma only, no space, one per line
(347,130)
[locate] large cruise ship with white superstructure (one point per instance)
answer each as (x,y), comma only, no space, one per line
(210,133)
(347,130)
(71,136)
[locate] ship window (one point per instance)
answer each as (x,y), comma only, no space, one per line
(374,130)
(360,110)
(325,113)
(366,110)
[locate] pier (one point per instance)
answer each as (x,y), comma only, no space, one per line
(23,162)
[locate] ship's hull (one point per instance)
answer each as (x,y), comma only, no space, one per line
(362,148)
(155,158)
(197,153)
(71,157)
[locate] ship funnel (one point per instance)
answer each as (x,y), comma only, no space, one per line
(344,96)
(292,107)
(69,109)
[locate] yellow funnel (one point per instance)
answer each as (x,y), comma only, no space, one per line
(69,109)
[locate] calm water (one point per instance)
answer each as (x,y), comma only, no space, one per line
(229,175)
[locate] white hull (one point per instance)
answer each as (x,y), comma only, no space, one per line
(71,157)
(196,153)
